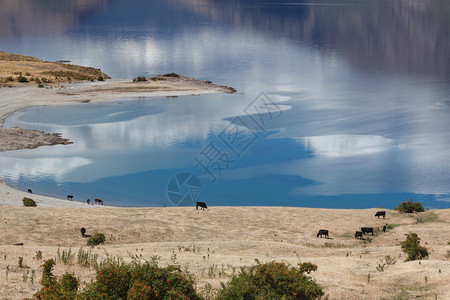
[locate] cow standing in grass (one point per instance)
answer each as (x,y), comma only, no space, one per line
(358,235)
(202,205)
(367,230)
(380,214)
(322,232)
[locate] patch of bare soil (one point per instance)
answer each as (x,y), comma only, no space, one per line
(16,138)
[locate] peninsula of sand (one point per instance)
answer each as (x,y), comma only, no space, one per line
(211,244)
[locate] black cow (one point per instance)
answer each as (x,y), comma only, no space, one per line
(322,232)
(70,197)
(367,230)
(83,231)
(358,235)
(380,214)
(202,205)
(30,191)
(88,201)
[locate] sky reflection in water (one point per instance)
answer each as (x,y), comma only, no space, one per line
(364,111)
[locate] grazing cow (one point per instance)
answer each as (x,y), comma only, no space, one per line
(70,197)
(30,191)
(83,231)
(202,205)
(380,214)
(367,230)
(358,235)
(98,201)
(322,232)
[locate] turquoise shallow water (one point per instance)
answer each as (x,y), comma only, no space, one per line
(348,119)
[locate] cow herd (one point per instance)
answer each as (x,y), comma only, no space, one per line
(70,197)
(360,233)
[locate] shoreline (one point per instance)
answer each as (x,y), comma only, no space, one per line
(17,98)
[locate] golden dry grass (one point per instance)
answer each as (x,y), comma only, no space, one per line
(227,238)
(14,65)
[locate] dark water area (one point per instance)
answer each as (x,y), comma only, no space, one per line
(354,113)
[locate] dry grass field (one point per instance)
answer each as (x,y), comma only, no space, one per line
(36,71)
(214,244)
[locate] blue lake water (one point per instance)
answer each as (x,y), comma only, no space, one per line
(341,104)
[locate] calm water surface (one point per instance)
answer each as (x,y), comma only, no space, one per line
(355,111)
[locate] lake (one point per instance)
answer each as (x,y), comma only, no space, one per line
(340,104)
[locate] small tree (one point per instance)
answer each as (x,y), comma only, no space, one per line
(411,246)
(409,207)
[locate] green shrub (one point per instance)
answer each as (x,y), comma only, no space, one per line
(409,207)
(96,239)
(69,283)
(28,202)
(100,78)
(171,75)
(22,79)
(140,291)
(140,79)
(118,280)
(411,246)
(272,280)
(65,288)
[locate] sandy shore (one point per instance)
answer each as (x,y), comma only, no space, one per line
(215,243)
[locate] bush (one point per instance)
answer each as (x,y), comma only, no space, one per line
(96,239)
(65,288)
(175,75)
(22,79)
(28,202)
(117,280)
(272,280)
(409,207)
(140,78)
(100,78)
(139,291)
(411,246)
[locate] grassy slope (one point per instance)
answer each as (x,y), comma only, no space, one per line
(213,244)
(14,65)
